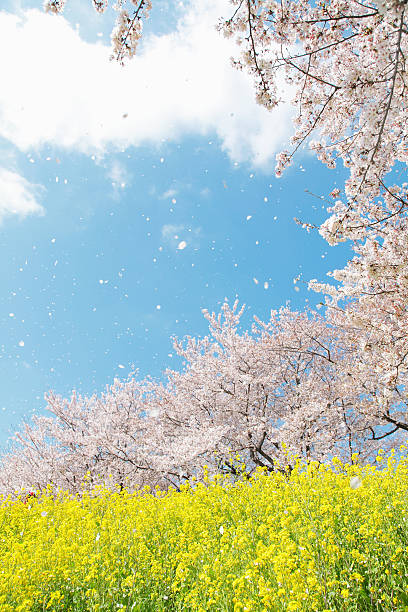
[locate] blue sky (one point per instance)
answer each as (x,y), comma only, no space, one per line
(132,198)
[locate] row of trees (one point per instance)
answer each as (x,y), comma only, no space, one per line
(299,383)
(321,384)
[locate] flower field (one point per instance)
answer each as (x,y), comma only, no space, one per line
(329,537)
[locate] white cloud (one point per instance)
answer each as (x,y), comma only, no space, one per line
(17,195)
(58,89)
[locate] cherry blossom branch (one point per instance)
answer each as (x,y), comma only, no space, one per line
(390,97)
(254,52)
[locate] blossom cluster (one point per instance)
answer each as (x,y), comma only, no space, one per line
(345,61)
(128,29)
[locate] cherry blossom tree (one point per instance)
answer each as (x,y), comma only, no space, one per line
(371,302)
(95,439)
(264,390)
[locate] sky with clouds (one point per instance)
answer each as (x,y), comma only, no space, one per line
(132,197)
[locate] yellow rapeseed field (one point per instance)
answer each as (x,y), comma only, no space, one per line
(331,537)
